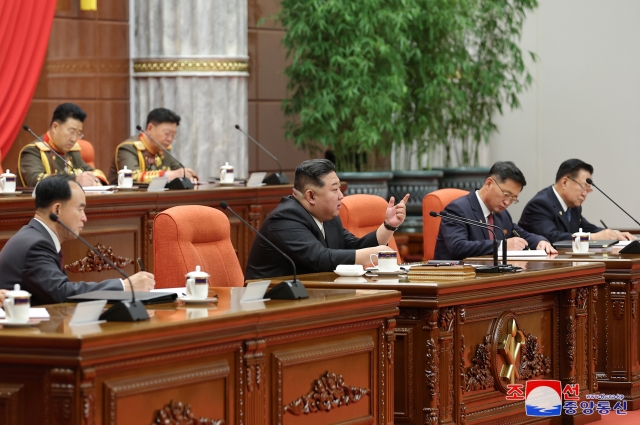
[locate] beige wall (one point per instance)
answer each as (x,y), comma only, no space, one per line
(585,103)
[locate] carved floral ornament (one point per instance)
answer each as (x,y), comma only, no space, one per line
(93,263)
(177,413)
(330,391)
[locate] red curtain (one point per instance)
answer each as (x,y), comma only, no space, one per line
(25,26)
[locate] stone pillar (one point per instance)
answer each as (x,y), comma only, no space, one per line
(190,56)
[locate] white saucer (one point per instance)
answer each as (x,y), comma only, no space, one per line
(17,192)
(349,273)
(580,253)
(7,324)
(189,300)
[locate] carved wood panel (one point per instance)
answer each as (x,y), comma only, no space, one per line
(404,374)
(11,403)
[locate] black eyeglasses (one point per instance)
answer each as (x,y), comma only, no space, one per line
(585,187)
(513,199)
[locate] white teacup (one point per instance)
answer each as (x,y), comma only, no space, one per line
(581,241)
(197,284)
(387,260)
(226,173)
(8,182)
(17,304)
(125,177)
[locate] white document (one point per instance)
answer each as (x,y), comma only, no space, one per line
(181,291)
(34,313)
(255,291)
(255,180)
(88,313)
(97,188)
(526,253)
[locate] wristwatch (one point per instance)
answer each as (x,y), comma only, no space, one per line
(389,227)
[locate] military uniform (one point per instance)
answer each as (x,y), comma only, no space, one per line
(137,155)
(36,161)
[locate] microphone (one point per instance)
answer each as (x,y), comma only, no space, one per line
(123,311)
(271,179)
(496,268)
(287,290)
(179,182)
(26,128)
(589,181)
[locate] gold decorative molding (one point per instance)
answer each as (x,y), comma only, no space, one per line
(190,65)
(98,66)
(93,263)
(178,413)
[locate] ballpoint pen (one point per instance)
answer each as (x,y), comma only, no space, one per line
(518,236)
(605,226)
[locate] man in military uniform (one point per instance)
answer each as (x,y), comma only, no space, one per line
(37,160)
(145,158)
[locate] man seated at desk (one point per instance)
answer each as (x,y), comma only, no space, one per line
(146,159)
(307,227)
(33,256)
(488,204)
(556,211)
(36,160)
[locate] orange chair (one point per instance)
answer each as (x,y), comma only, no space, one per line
(435,201)
(362,214)
(193,235)
(87,152)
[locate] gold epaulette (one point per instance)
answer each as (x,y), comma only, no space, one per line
(75,148)
(42,146)
(139,145)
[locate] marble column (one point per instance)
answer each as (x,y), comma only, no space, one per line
(190,56)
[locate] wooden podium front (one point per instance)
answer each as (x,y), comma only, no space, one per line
(448,356)
(324,360)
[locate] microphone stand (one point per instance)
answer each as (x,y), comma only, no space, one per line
(62,158)
(178,183)
(594,185)
(123,311)
(286,290)
(274,178)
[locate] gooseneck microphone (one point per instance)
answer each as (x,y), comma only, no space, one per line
(123,311)
(26,128)
(496,268)
(287,290)
(589,181)
(179,182)
(272,179)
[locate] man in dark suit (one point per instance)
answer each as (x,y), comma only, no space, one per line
(33,256)
(488,204)
(556,211)
(307,227)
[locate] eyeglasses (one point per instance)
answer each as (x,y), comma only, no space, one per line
(76,134)
(513,199)
(585,187)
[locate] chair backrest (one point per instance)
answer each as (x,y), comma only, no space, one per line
(87,153)
(193,235)
(361,214)
(435,201)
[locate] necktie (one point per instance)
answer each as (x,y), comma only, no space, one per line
(61,256)
(490,221)
(569,214)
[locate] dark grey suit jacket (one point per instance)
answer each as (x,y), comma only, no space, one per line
(30,259)
(457,241)
(292,229)
(544,216)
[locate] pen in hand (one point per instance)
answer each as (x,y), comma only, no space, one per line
(518,236)
(141,265)
(605,226)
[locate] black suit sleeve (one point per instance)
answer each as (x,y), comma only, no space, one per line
(538,217)
(587,226)
(458,236)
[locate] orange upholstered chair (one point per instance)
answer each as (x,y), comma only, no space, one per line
(435,201)
(193,235)
(87,153)
(362,214)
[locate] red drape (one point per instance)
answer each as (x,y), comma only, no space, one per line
(25,26)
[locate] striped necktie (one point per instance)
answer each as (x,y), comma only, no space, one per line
(490,221)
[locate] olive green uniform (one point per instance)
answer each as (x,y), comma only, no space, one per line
(144,165)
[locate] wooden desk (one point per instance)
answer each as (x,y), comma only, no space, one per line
(447,363)
(258,363)
(123,221)
(618,351)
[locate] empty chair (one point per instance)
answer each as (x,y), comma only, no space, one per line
(193,235)
(362,214)
(435,201)
(87,152)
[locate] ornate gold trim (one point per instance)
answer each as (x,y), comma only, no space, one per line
(190,65)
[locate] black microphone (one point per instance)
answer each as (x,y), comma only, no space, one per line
(123,311)
(179,182)
(496,268)
(287,290)
(272,179)
(26,128)
(589,181)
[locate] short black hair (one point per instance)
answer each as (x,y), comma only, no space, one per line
(68,110)
(503,170)
(160,115)
(310,172)
(571,168)
(55,188)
